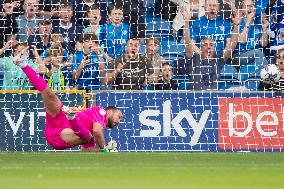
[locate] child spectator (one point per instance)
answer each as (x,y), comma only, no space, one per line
(166,82)
(88,65)
(115,34)
(152,48)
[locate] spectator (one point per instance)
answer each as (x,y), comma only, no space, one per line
(251,35)
(115,34)
(9,27)
(27,23)
(49,8)
(57,42)
(17,6)
(42,37)
(69,30)
(193,5)
(134,15)
(152,48)
(57,69)
(279,86)
(93,16)
(276,12)
(211,26)
(14,78)
(166,82)
(130,71)
(88,65)
(82,7)
(205,67)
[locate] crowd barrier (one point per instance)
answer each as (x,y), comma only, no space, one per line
(157,121)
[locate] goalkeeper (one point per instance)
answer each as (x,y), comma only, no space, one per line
(85,127)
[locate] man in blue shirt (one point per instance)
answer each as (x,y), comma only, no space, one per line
(115,34)
(88,65)
(205,68)
(70,30)
(211,26)
(251,36)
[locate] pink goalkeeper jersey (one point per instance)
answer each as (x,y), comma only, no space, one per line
(96,114)
(54,125)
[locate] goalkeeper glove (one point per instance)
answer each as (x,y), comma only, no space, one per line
(104,149)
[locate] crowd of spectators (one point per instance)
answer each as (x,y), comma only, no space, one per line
(97,44)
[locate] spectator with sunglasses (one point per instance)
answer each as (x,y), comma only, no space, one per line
(279,86)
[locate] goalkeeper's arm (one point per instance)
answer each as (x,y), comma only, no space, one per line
(98,133)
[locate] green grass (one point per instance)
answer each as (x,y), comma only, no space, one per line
(141,170)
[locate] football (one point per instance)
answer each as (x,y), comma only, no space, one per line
(270,74)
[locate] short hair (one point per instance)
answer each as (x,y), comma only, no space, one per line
(93,7)
(88,37)
(156,41)
(20,44)
(166,64)
(113,108)
(114,6)
(57,37)
(55,52)
(66,4)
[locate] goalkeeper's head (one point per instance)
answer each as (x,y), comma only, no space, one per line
(114,116)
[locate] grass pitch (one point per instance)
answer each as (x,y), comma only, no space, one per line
(141,170)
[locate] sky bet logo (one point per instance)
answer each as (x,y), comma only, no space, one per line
(251,123)
(164,128)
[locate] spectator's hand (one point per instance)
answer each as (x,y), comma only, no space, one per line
(185,13)
(54,13)
(34,51)
(119,68)
(8,8)
(237,19)
(99,50)
(8,44)
(16,4)
(250,18)
(79,46)
(29,31)
(231,4)
(264,21)
(108,59)
(85,62)
(150,78)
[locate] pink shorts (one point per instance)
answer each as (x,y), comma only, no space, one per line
(54,126)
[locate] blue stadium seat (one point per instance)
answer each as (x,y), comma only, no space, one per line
(249,71)
(229,72)
(157,27)
(183,82)
(172,50)
(252,83)
(227,84)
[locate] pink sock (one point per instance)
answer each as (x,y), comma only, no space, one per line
(36,80)
(79,130)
